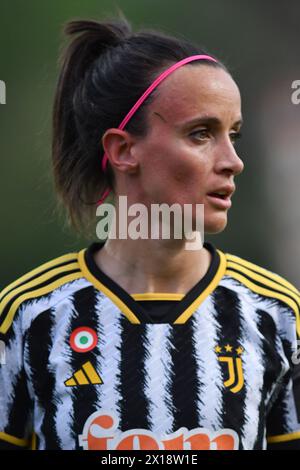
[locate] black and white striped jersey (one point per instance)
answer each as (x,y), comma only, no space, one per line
(85,365)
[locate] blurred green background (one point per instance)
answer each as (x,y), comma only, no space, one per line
(258,40)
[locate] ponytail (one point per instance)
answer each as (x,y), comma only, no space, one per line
(77,171)
(103,71)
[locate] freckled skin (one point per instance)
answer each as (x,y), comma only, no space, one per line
(173,167)
(169,165)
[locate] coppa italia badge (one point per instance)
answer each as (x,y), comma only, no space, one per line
(101,432)
(83,339)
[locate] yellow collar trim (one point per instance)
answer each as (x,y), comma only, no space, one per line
(89,276)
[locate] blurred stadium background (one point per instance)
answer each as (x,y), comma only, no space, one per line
(258,40)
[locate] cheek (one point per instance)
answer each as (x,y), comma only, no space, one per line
(187,165)
(189,173)
(175,170)
(183,183)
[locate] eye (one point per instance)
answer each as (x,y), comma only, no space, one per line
(235,136)
(200,133)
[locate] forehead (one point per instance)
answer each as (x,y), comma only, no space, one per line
(194,90)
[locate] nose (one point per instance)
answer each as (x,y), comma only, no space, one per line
(228,159)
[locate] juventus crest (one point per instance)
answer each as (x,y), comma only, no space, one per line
(233,366)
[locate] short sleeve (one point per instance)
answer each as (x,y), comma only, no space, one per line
(15,402)
(283,421)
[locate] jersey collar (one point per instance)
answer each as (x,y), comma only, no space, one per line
(134,312)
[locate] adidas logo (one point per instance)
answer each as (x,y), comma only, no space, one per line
(86,375)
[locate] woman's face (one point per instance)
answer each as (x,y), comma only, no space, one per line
(189,149)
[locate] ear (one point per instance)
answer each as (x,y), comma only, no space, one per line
(117,146)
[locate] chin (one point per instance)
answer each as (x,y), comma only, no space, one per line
(215,225)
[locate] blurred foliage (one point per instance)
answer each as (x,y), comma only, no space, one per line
(255,39)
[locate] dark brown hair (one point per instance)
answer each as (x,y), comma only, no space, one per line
(104,69)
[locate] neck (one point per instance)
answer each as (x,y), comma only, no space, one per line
(153,265)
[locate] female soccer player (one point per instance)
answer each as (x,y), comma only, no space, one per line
(141,343)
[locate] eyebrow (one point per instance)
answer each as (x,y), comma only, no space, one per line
(212,120)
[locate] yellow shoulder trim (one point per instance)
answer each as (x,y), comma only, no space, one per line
(284,437)
(17,292)
(264,272)
(36,282)
(263,280)
(268,293)
(35,293)
(14,440)
(41,268)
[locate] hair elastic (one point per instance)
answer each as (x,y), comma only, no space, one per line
(139,102)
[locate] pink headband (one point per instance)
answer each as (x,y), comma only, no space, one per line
(149,90)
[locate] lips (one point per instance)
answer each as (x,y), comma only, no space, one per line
(224,192)
(219,202)
(220,197)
